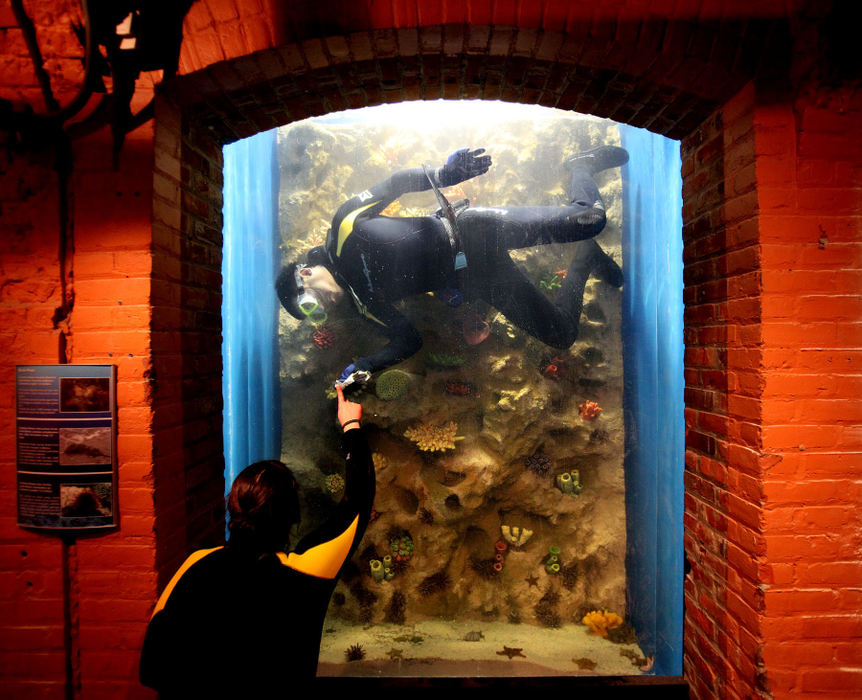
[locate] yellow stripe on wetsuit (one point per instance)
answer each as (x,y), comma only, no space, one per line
(193,558)
(345,228)
(324,560)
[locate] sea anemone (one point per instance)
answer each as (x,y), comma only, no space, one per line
(546,609)
(426,516)
(355,652)
(434,584)
(569,575)
(539,463)
(395,608)
(484,567)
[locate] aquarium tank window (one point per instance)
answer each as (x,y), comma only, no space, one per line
(525,409)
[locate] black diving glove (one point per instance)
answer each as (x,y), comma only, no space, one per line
(462,165)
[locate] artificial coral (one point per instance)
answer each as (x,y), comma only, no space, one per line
(569,482)
(475,329)
(392,384)
(335,484)
(552,561)
(590,410)
(601,621)
(515,535)
(555,370)
(443,359)
(433,438)
(323,338)
(456,388)
(401,547)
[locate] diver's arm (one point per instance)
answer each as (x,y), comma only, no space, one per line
(323,552)
(462,165)
(399,183)
(404,340)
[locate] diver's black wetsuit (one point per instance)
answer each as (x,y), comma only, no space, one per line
(232,625)
(380,260)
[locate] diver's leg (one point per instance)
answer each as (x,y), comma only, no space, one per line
(589,259)
(502,284)
(509,228)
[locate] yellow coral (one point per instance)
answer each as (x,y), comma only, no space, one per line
(601,622)
(380,461)
(433,438)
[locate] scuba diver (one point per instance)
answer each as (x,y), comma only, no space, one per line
(461,252)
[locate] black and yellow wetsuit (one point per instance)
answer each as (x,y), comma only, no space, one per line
(233,623)
(380,260)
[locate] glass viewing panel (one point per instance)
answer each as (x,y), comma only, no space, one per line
(499,544)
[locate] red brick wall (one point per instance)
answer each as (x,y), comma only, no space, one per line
(773,275)
(111,580)
(809,175)
(723,537)
(773,259)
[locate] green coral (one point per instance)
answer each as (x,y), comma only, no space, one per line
(443,359)
(392,384)
(334,483)
(401,547)
(551,281)
(552,562)
(569,482)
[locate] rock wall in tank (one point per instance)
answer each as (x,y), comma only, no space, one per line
(500,464)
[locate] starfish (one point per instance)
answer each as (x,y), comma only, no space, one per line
(511,652)
(532,580)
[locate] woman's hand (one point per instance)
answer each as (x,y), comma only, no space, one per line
(349,413)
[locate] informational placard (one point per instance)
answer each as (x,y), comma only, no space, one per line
(66,446)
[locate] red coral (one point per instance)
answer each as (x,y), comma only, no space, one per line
(475,329)
(323,338)
(556,369)
(589,410)
(456,388)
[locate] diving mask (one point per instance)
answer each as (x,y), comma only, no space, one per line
(309,302)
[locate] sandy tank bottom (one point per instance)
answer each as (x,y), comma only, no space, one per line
(454,649)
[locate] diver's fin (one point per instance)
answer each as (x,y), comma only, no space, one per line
(597,159)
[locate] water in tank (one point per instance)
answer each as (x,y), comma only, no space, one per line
(489,295)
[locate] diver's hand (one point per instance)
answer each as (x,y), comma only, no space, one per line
(462,165)
(352,377)
(349,413)
(350,369)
